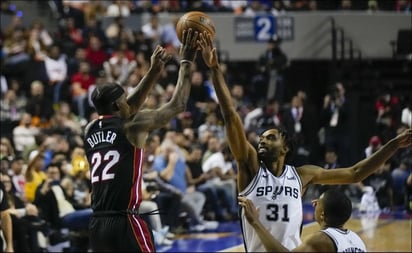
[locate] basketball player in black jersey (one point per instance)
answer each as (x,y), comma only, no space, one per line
(275,187)
(114,146)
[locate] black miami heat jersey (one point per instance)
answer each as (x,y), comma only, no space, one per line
(280,208)
(115,166)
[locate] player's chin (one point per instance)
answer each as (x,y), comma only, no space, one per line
(262,154)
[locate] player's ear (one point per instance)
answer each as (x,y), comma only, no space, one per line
(322,215)
(285,148)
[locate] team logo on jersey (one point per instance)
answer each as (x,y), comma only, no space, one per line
(277,191)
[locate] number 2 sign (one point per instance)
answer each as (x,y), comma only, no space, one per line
(265,27)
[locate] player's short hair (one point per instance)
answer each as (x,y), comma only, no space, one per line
(104,97)
(337,207)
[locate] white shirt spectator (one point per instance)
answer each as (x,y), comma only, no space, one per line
(56,69)
(24,133)
(118,9)
(406,117)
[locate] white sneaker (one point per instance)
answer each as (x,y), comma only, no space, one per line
(198,227)
(167,242)
(210,225)
(170,235)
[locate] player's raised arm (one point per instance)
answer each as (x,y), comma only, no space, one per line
(147,120)
(242,150)
(361,169)
(157,61)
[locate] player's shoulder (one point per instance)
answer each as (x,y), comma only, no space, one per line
(88,126)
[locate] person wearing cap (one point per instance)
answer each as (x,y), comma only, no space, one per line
(374,144)
(114,145)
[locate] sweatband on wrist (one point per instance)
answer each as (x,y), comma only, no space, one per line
(183,61)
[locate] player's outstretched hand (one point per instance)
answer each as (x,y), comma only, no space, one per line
(404,139)
(189,46)
(209,52)
(159,58)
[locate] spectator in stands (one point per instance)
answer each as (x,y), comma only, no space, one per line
(54,207)
(404,6)
(254,7)
(171,166)
(373,6)
(148,208)
(66,121)
(23,134)
(5,221)
(15,50)
(399,176)
(298,121)
(80,84)
(277,8)
(120,65)
(24,218)
(74,9)
(211,124)
(197,178)
(73,63)
(39,106)
(221,176)
(335,120)
(345,5)
(93,27)
(71,36)
(17,177)
(382,184)
(374,144)
(34,174)
(272,64)
(169,36)
(12,109)
(198,99)
(114,30)
(406,114)
(153,30)
(118,8)
(96,54)
(387,107)
(243,101)
(6,149)
(262,117)
(233,6)
(39,40)
(56,70)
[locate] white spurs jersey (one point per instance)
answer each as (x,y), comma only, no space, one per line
(280,208)
(345,240)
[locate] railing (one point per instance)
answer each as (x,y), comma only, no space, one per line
(342,40)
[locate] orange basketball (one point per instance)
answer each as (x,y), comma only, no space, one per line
(196,20)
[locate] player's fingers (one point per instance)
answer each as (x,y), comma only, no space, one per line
(184,36)
(194,38)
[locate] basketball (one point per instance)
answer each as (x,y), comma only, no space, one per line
(198,21)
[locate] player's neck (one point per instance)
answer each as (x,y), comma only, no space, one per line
(277,168)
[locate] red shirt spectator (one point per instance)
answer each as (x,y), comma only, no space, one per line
(95,54)
(82,77)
